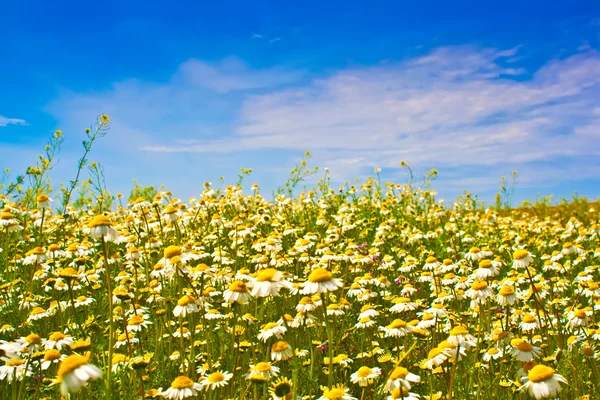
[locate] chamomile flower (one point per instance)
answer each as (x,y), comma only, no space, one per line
(74,372)
(237,292)
(182,387)
(543,382)
(216,380)
(365,376)
(268,282)
(400,377)
(336,393)
(320,280)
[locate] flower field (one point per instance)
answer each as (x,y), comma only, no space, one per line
(377,291)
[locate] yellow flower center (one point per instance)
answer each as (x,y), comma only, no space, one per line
(399,300)
(525,347)
(99,220)
(6,216)
(479,285)
(67,272)
(459,330)
(182,382)
(185,300)
(216,377)
(14,362)
(430,260)
(238,287)
(135,320)
(51,355)
(56,336)
(306,300)
(172,251)
(474,250)
(540,373)
(520,254)
(270,325)
(397,323)
(507,290)
(580,314)
(485,264)
(363,372)
(434,352)
(263,367)
(320,275)
(528,319)
(267,275)
(280,346)
(334,393)
(70,364)
(427,317)
(398,372)
(33,339)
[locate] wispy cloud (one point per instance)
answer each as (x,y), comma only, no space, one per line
(476,113)
(232,74)
(452,106)
(11,121)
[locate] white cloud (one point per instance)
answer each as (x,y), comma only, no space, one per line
(452,106)
(232,74)
(11,121)
(456,108)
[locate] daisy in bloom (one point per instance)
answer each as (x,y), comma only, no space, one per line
(320,280)
(367,311)
(264,369)
(365,375)
(281,351)
(403,304)
(486,270)
(528,323)
(401,378)
(492,353)
(522,259)
(523,350)
(506,295)
(73,373)
(459,335)
(216,380)
(14,368)
(271,329)
(543,382)
(101,228)
(336,393)
(182,388)
(479,293)
(36,314)
(186,304)
(474,254)
(579,318)
(137,323)
(431,264)
(237,293)
(268,282)
(335,310)
(124,339)
(397,328)
(51,356)
(365,323)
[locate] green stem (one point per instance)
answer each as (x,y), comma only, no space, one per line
(111,325)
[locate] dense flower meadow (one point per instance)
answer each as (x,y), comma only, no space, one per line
(370,292)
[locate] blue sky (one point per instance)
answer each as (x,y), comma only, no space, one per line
(197,90)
